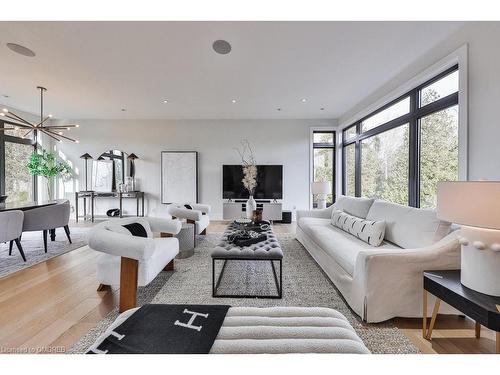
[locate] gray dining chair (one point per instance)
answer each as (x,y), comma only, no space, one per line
(48,218)
(11,228)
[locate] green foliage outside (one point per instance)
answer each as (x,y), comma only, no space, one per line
(323,163)
(385,158)
(46,164)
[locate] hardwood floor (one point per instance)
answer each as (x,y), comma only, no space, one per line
(49,306)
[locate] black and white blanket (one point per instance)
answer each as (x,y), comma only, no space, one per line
(166,329)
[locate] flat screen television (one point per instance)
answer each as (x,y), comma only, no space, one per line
(269,182)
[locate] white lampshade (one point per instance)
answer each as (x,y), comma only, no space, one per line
(472,203)
(322,187)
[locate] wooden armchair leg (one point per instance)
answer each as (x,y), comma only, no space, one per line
(103,287)
(128,283)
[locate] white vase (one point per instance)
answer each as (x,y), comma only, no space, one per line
(251,207)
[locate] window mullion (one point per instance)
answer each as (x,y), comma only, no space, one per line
(357,163)
(413,179)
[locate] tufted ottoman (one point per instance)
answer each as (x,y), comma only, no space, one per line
(268,251)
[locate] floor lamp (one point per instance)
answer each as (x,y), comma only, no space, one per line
(86,156)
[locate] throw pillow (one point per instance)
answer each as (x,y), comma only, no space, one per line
(136,229)
(371,232)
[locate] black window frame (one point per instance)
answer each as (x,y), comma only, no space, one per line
(327,146)
(413,119)
(10,138)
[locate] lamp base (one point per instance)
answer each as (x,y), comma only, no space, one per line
(321,203)
(480,269)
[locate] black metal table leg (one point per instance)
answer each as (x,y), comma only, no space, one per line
(76,207)
(216,284)
(52,235)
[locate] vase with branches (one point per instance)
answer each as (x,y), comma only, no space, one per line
(249,180)
(46,164)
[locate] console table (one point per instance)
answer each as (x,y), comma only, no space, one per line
(234,210)
(446,286)
(92,195)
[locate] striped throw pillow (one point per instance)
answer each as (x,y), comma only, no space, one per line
(371,232)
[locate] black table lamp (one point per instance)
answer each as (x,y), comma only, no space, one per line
(132,157)
(86,156)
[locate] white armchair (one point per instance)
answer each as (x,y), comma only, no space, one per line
(131,261)
(198,214)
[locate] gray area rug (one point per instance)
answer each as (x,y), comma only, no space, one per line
(32,243)
(304,284)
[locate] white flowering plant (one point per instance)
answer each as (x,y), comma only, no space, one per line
(248,165)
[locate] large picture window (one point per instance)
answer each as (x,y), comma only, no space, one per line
(16,148)
(401,151)
(323,165)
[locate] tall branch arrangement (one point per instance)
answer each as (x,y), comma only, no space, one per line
(249,166)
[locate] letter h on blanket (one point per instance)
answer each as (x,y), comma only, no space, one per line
(189,324)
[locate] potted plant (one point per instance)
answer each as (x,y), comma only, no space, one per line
(46,164)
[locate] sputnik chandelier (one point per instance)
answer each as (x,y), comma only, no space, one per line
(53,131)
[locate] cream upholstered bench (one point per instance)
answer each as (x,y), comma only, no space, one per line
(274,330)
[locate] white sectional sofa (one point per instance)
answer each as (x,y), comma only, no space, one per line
(382,282)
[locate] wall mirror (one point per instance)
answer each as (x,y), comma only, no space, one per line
(109,170)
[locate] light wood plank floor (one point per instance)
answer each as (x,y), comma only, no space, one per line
(51,305)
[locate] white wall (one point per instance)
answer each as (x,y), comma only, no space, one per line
(483,39)
(275,142)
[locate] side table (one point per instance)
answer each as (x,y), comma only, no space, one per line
(186,241)
(446,286)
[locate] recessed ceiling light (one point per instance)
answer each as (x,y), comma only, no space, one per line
(165,101)
(17,48)
(222,47)
(233,101)
(303,100)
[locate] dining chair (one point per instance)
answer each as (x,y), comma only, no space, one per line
(11,228)
(48,218)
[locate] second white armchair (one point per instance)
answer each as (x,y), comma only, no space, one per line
(194,213)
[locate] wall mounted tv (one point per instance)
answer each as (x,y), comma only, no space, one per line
(269,182)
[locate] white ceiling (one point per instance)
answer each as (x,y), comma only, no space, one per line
(93,70)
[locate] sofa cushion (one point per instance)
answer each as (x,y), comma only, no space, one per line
(353,206)
(342,247)
(409,227)
(371,232)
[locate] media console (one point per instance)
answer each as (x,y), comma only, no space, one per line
(232,210)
